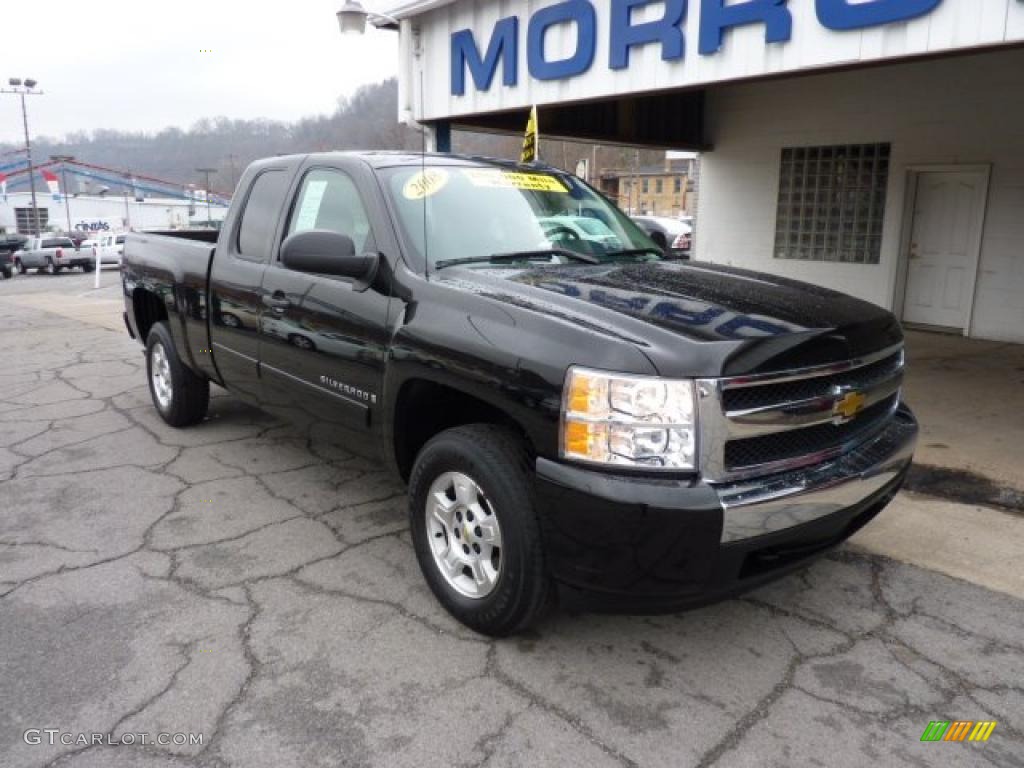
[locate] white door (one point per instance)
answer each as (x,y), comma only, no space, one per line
(944,245)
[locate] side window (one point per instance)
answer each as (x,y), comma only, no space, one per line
(328,199)
(256,230)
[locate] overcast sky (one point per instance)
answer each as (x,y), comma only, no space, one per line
(139,66)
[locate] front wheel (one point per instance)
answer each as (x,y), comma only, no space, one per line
(475,528)
(181,397)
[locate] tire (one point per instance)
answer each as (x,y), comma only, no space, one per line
(49,269)
(8,273)
(19,266)
(495,459)
(229,320)
(87,268)
(302,342)
(182,397)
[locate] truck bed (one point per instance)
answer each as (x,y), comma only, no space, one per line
(175,265)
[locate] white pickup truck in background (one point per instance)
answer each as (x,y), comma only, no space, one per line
(110,248)
(52,254)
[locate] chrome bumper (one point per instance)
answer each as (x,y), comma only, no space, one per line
(769,505)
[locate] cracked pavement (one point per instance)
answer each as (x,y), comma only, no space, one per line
(239,581)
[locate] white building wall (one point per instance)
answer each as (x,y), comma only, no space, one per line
(151,213)
(962,110)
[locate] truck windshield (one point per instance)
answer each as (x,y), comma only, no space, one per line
(466,215)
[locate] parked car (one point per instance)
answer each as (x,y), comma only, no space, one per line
(579,228)
(51,255)
(9,245)
(574,417)
(675,236)
(111,248)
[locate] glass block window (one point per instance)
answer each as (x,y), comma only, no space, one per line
(831,203)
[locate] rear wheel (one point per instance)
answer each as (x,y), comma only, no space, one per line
(88,267)
(8,273)
(19,266)
(180,396)
(475,528)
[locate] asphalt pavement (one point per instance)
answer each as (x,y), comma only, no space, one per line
(238,583)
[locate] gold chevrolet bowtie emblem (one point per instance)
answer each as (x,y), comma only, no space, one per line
(848,406)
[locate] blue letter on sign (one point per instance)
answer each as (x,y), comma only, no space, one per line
(716,17)
(503,45)
(665,30)
(579,11)
(841,14)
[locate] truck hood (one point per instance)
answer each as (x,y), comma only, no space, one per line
(754,321)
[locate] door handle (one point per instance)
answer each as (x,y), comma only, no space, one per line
(277,302)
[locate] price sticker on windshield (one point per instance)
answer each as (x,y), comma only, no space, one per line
(425,183)
(498,178)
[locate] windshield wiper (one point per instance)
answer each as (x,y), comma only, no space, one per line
(540,253)
(636,252)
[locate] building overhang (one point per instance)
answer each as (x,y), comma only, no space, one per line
(638,76)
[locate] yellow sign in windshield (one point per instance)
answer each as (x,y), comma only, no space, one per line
(496,177)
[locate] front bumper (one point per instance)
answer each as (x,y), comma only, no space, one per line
(643,544)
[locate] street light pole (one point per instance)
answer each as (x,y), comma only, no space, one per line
(23,91)
(63,160)
(209,211)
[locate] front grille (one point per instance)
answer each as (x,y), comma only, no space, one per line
(768,423)
(804,389)
(785,446)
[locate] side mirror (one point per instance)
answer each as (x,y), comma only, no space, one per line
(323,252)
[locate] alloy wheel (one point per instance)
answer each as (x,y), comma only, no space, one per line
(464,535)
(161,376)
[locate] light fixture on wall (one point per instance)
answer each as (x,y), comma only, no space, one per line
(353,16)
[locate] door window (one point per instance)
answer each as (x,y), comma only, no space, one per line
(329,200)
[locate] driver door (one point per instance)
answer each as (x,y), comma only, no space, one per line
(323,338)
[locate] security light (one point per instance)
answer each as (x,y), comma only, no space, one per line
(15,81)
(352,18)
(30,83)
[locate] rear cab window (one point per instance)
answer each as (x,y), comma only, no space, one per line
(260,215)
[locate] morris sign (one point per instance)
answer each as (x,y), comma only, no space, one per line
(475,60)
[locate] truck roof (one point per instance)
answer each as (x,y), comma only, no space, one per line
(399,158)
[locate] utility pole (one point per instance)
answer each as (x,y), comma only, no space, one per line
(127,211)
(23,90)
(63,160)
(209,212)
(234,172)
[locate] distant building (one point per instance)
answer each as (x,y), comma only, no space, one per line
(666,190)
(96,214)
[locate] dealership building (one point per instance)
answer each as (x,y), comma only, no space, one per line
(871,146)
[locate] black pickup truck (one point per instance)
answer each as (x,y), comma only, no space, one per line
(575,415)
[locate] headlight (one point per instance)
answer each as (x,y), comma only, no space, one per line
(643,422)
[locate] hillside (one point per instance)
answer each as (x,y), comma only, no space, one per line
(366,120)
